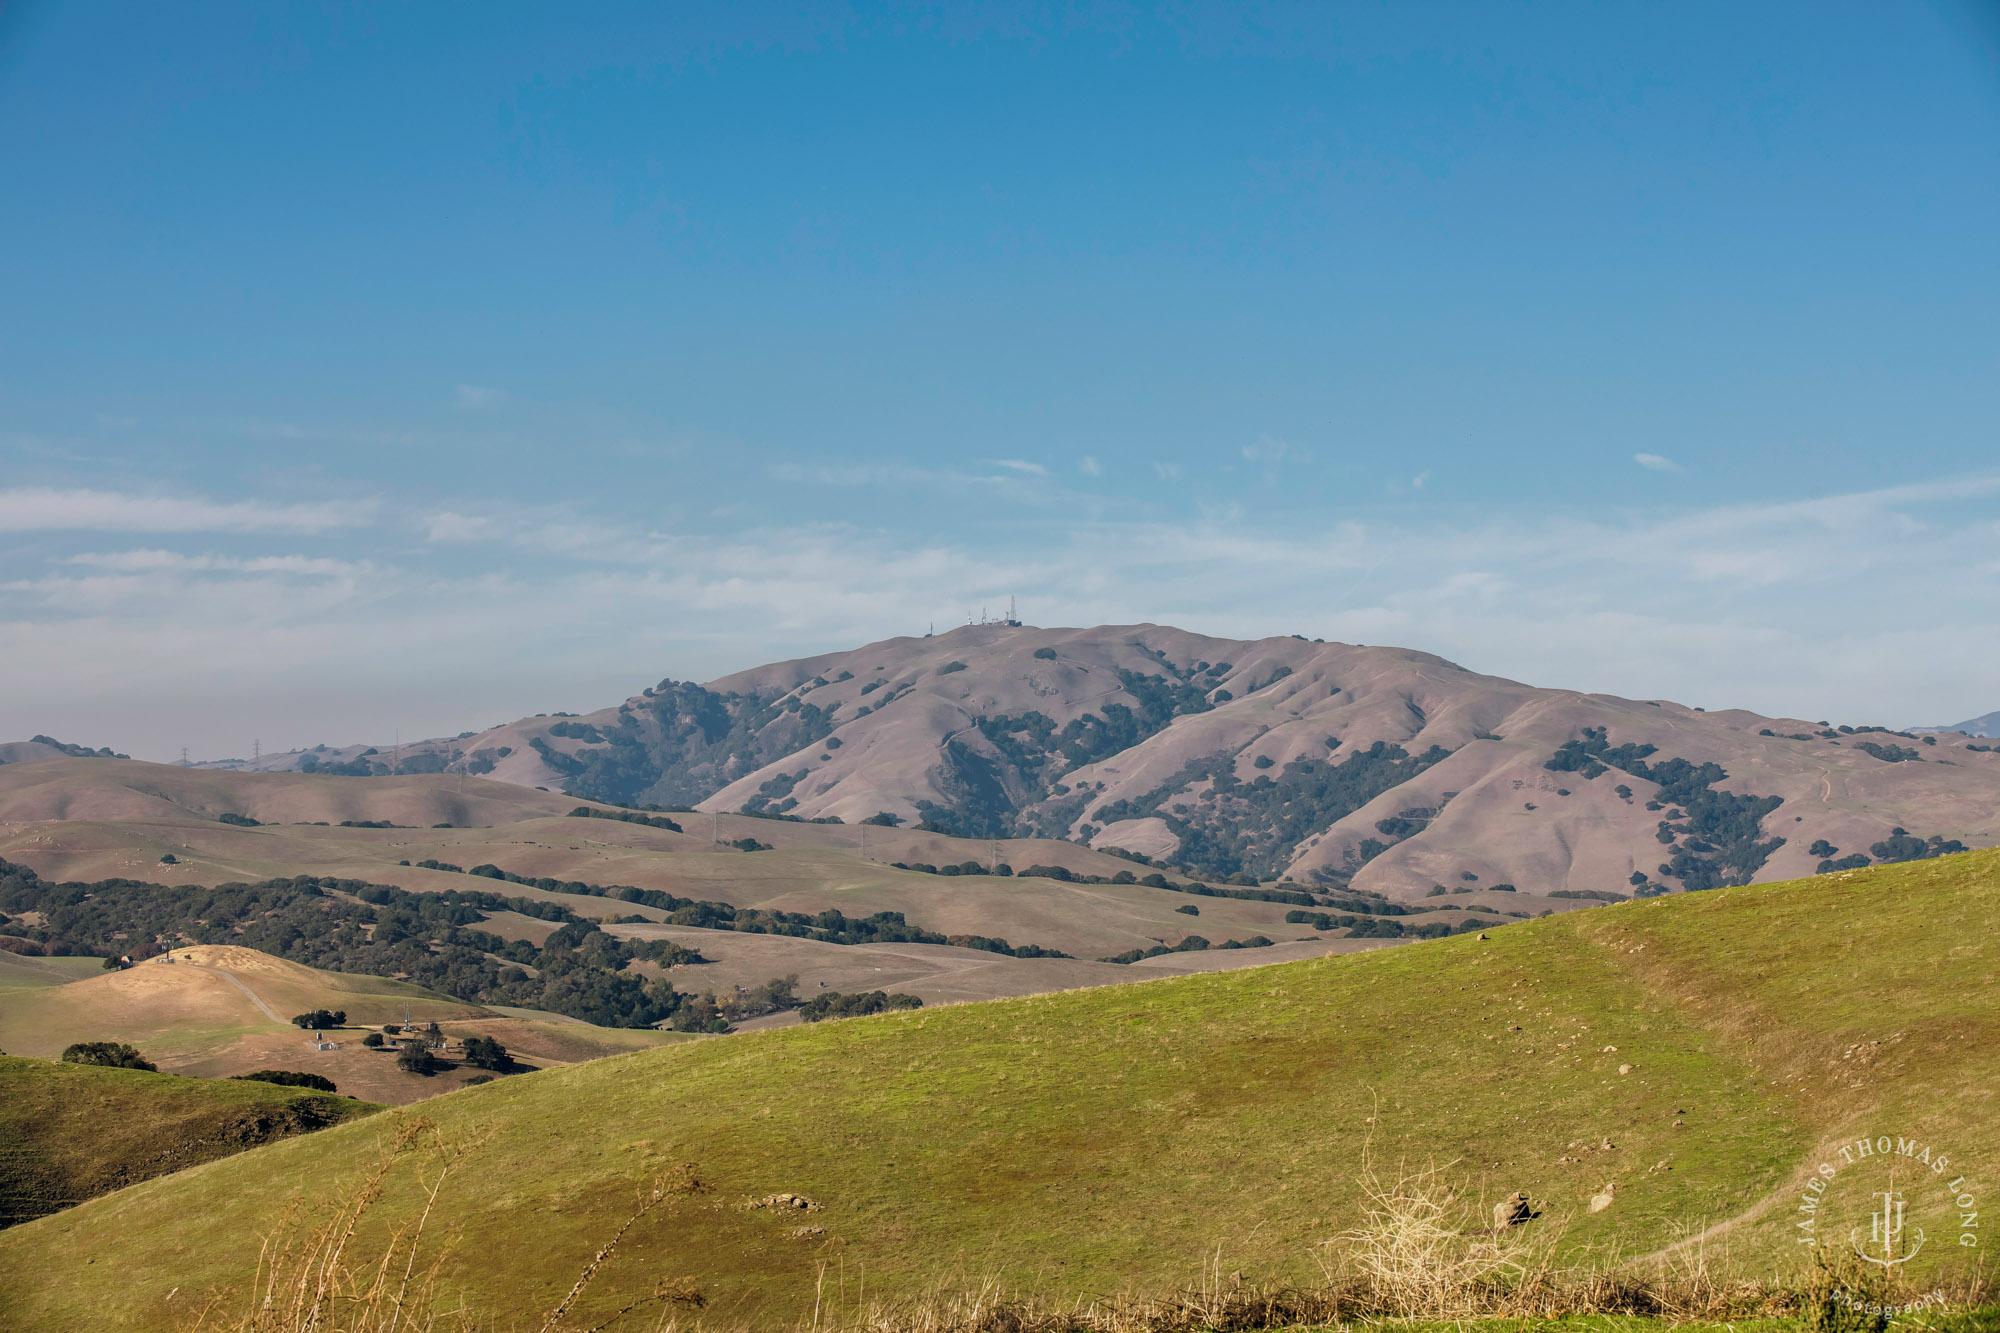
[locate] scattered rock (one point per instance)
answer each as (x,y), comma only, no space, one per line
(1626,1069)
(805,1233)
(1512,1211)
(1599,1202)
(798,1201)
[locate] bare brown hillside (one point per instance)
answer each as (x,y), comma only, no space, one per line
(1274,758)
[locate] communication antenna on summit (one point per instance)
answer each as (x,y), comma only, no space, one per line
(184,756)
(1013,618)
(256,752)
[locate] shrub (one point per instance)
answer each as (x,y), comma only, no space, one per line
(109,1054)
(478,1079)
(1189,910)
(320,1019)
(1046,654)
(373,1041)
(231,817)
(835,1005)
(486,1053)
(883,819)
(289,1078)
(417,1060)
(950,667)
(627,816)
(170,860)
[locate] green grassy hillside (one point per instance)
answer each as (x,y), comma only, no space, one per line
(1701,1053)
(72,1132)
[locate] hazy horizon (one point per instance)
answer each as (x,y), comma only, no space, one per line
(403,371)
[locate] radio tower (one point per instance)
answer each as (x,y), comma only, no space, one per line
(256,752)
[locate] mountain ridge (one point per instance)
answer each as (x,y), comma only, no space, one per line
(1393,769)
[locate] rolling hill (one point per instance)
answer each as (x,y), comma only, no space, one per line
(1689,1060)
(72,1132)
(161,824)
(215,1011)
(1392,770)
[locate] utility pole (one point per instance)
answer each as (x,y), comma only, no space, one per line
(715,827)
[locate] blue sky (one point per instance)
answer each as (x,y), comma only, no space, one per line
(400,369)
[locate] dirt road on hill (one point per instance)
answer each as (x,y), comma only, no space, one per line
(237,982)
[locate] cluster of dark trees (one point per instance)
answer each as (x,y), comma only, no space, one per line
(486,1053)
(715,1013)
(828,927)
(1715,836)
(1902,845)
(833,1004)
(626,816)
(289,1078)
(1007,787)
(353,926)
(110,1054)
(680,742)
(1890,754)
(1375,927)
(1192,944)
(1253,827)
(78,751)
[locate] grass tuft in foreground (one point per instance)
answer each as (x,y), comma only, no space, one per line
(1420,1261)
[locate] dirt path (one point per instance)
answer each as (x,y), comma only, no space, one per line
(237,982)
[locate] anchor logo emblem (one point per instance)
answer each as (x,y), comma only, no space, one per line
(1885,1234)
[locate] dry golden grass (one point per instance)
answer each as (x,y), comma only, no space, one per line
(1420,1260)
(313,1277)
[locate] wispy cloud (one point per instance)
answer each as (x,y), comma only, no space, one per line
(1021,465)
(473,397)
(41,509)
(1747,604)
(153,561)
(1089,466)
(1655,463)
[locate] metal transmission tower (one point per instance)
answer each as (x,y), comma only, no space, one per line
(184,756)
(256,752)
